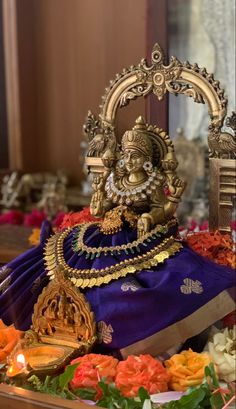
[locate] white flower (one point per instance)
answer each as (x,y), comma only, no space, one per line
(223,353)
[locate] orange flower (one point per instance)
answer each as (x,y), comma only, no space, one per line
(9,336)
(186,369)
(34,238)
(71,219)
(139,371)
(214,245)
(91,368)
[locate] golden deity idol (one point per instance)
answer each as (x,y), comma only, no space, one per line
(140,177)
(147,289)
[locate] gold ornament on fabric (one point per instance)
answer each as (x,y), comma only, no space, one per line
(191,286)
(5,284)
(130,285)
(104,332)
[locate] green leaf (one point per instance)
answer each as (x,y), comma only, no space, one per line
(210,372)
(67,376)
(143,394)
(54,385)
(216,401)
(190,401)
(86,393)
(103,386)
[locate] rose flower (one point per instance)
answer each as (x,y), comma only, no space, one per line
(91,368)
(139,371)
(187,369)
(223,353)
(9,336)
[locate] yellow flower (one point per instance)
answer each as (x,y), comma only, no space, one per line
(187,369)
(222,350)
(34,238)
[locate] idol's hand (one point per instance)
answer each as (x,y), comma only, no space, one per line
(144,224)
(176,187)
(96,204)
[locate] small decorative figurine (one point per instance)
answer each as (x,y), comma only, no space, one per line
(62,316)
(63,326)
(148,291)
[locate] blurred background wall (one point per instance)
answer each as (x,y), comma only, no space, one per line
(67,51)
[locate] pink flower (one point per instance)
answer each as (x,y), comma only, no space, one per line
(204,225)
(233,225)
(34,219)
(12,217)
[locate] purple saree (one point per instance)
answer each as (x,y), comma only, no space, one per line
(149,311)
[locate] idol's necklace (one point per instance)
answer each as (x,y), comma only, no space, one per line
(129,195)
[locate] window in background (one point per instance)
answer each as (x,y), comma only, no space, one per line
(200,31)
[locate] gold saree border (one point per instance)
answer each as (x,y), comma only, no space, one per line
(186,328)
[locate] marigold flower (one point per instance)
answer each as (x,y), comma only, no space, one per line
(139,371)
(216,246)
(34,238)
(9,336)
(186,369)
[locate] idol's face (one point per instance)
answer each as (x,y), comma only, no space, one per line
(133,160)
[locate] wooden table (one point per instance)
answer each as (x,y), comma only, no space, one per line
(13,241)
(12,397)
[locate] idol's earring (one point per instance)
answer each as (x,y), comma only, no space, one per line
(148,167)
(121,163)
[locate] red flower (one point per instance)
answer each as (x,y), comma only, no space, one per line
(59,219)
(12,217)
(71,219)
(139,371)
(230,320)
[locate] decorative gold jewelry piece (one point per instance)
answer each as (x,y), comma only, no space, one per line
(133,194)
(80,247)
(87,278)
(113,220)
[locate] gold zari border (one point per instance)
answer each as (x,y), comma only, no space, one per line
(186,328)
(86,278)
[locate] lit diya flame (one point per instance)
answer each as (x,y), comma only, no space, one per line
(20,361)
(18,366)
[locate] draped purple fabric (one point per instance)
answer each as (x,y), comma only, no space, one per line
(129,309)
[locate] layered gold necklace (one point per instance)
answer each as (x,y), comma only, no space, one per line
(87,278)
